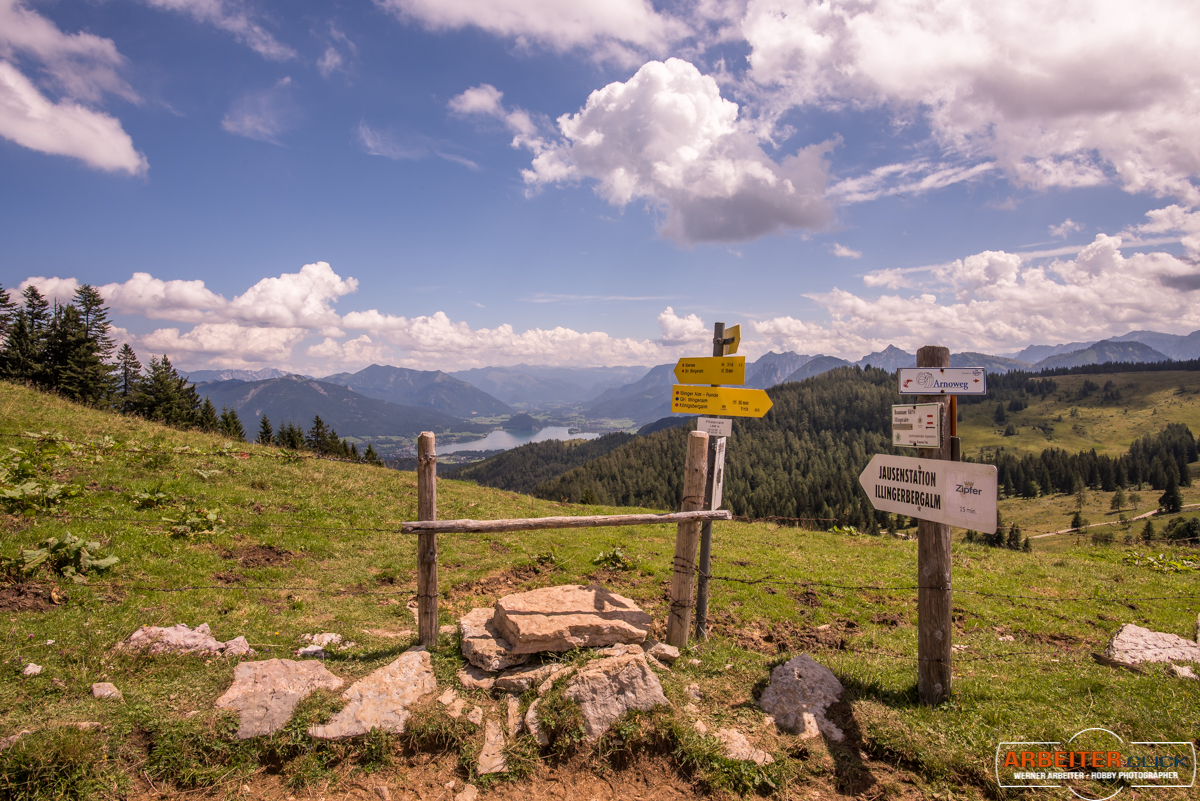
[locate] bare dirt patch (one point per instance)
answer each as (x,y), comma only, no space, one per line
(229,577)
(781,636)
(497,584)
(24,598)
(259,555)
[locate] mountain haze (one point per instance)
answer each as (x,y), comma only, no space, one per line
(298,400)
(429,388)
(1101,352)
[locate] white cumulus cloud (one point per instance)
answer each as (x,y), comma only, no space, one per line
(606,28)
(55,290)
(667,137)
(1075,93)
(228,343)
(76,71)
(996,301)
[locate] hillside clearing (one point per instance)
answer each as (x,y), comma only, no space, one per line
(307,546)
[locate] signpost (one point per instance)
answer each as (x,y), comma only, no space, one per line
(719,400)
(959,494)
(917,426)
(711,370)
(942,381)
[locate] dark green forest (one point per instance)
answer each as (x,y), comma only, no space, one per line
(802,460)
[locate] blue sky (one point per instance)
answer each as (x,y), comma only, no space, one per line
(448,184)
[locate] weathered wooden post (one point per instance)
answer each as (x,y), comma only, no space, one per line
(427,559)
(934,602)
(683,569)
(706,529)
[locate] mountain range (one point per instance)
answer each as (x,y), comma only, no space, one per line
(432,389)
(381,400)
(296,399)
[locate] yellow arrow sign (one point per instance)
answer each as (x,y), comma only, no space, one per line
(711,370)
(728,401)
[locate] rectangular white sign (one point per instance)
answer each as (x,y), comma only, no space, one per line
(714,426)
(716,472)
(960,494)
(942,381)
(917,426)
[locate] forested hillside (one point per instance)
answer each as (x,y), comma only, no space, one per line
(523,468)
(804,457)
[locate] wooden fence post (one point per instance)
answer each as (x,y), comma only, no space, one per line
(934,601)
(706,527)
(427,559)
(683,569)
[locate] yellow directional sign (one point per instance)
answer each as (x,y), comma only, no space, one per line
(733,332)
(729,401)
(711,370)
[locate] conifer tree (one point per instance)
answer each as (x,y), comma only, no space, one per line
(371,457)
(1014,538)
(129,371)
(1171,500)
(8,310)
(231,425)
(1148,531)
(164,396)
(206,419)
(266,436)
(95,319)
(319,436)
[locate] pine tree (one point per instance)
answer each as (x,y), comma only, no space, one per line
(999,416)
(1077,521)
(319,436)
(206,419)
(371,457)
(1014,538)
(1118,500)
(1148,531)
(69,362)
(266,435)
(354,454)
(8,310)
(1171,500)
(37,310)
(1027,546)
(164,396)
(23,357)
(95,319)
(129,371)
(231,425)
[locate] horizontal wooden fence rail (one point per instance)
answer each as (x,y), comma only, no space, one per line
(537,523)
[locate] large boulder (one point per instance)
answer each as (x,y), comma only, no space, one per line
(381,700)
(484,646)
(1134,644)
(568,616)
(265,693)
(607,688)
(800,692)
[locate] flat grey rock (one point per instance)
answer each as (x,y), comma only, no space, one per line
(483,645)
(513,709)
(475,715)
(606,688)
(569,616)
(104,689)
(1184,672)
(520,679)
(1133,645)
(327,638)
(798,695)
(265,694)
(491,758)
(31,670)
(311,652)
(474,678)
(667,654)
(736,746)
(179,639)
(381,699)
(533,726)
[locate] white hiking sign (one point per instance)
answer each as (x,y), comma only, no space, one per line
(960,494)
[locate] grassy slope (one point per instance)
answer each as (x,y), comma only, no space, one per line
(1048,688)
(1148,402)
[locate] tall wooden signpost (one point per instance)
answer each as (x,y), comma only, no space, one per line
(705,467)
(937,491)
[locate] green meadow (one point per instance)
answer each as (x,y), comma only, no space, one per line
(255,543)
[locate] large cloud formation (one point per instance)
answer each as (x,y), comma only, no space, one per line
(667,137)
(1073,93)
(80,69)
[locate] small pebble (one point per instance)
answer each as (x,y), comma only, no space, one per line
(31,670)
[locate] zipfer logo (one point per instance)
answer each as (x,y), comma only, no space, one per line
(1096,764)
